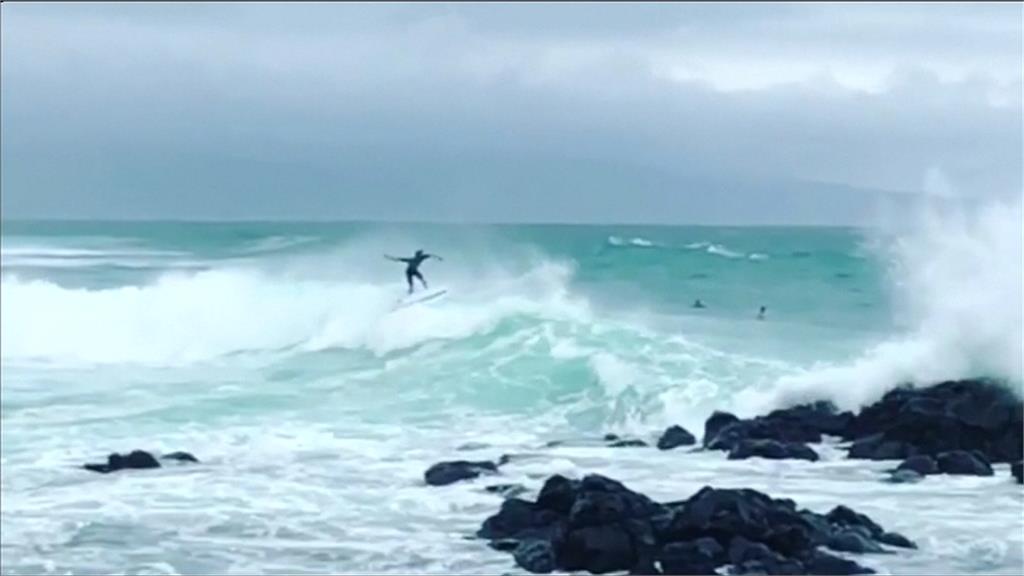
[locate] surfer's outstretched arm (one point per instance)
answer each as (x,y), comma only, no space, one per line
(435,256)
(406,260)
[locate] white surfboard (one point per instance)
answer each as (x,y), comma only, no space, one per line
(420,297)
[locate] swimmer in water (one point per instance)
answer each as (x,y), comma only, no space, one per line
(412,268)
(760,313)
(698,304)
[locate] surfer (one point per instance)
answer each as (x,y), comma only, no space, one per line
(760,313)
(412,268)
(698,304)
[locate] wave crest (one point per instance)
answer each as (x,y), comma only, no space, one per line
(190,317)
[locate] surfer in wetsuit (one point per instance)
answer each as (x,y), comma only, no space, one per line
(412,268)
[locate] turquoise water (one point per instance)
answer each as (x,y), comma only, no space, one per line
(273,352)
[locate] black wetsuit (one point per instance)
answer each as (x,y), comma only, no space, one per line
(412,269)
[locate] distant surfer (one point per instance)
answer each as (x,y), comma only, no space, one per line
(760,313)
(412,268)
(698,304)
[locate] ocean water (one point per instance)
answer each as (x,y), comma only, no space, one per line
(272,352)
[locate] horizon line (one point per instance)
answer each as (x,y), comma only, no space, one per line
(210,221)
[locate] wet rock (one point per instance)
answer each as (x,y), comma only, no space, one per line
(921,464)
(729,436)
(594,524)
(756,558)
(506,490)
(792,539)
(136,459)
(522,520)
(800,424)
(558,494)
(819,528)
(876,447)
(628,443)
(819,417)
(675,436)
(853,540)
(863,448)
(599,525)
(537,556)
(723,513)
(967,415)
(601,497)
(444,473)
(961,462)
(699,556)
(893,450)
(844,517)
(828,565)
(645,545)
(742,550)
(905,477)
(772,450)
(896,539)
(598,549)
(180,457)
(769,567)
(717,422)
(594,508)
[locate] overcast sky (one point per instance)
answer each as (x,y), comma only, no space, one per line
(703,113)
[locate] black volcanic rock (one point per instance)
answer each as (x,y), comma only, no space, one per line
(136,459)
(963,415)
(180,457)
(444,473)
(675,436)
(922,464)
(598,525)
(772,450)
(802,424)
(628,443)
(700,556)
(961,462)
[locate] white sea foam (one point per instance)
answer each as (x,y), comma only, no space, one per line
(188,317)
(721,250)
(957,279)
(41,255)
(275,243)
(637,242)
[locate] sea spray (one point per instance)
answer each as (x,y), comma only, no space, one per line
(956,277)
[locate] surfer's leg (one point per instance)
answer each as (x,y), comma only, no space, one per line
(408,278)
(420,276)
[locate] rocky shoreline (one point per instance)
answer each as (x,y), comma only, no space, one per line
(599,525)
(596,524)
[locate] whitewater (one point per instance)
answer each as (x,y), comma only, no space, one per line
(272,351)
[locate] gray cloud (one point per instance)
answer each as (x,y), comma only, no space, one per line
(654,112)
